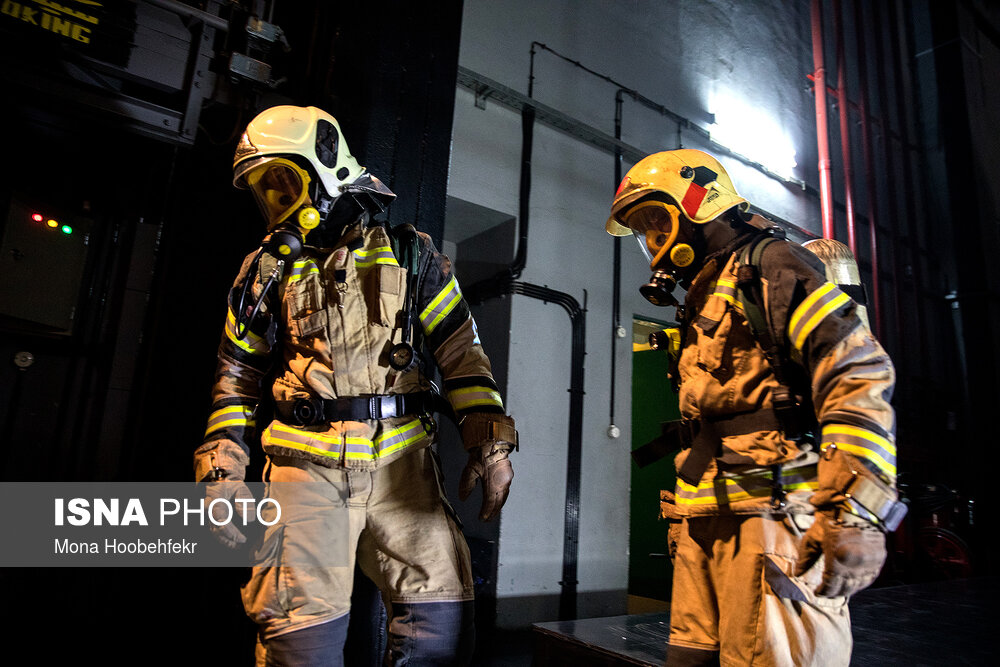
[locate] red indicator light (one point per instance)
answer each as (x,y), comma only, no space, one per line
(37,217)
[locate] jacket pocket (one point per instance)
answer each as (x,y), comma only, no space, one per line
(713,325)
(305,307)
(386,293)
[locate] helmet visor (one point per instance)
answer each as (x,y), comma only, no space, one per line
(654,225)
(280,188)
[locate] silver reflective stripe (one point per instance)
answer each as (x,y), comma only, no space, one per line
(231,416)
(862,443)
(813,310)
(365,257)
(441,305)
(744,487)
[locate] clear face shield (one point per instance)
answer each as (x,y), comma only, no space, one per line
(655,226)
(280,188)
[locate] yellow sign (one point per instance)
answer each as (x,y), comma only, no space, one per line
(59,19)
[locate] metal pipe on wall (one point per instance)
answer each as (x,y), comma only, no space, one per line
(822,131)
(616,286)
(866,145)
(505,282)
(843,109)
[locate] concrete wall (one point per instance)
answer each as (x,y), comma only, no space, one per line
(688,56)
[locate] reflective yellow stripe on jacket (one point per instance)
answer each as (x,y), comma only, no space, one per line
(251,342)
(441,305)
(355,448)
(727,490)
(468,397)
(229,417)
(813,310)
(863,444)
(726,290)
(301,268)
(363,258)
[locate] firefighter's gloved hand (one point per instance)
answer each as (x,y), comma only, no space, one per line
(489,465)
(222,465)
(853,553)
(243,513)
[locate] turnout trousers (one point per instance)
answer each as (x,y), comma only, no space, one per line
(735,600)
(402,533)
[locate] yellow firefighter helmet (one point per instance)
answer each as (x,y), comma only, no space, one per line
(694,181)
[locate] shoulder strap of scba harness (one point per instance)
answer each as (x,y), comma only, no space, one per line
(406,247)
(794,417)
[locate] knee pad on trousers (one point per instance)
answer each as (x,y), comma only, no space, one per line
(431,633)
(682,656)
(321,644)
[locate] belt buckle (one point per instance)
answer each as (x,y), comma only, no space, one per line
(387,407)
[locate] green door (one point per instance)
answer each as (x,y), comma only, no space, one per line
(653,402)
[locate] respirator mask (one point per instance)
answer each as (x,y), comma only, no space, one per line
(656,226)
(281,189)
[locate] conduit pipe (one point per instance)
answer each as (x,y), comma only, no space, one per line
(843,109)
(822,132)
(505,282)
(866,146)
(616,287)
(187,11)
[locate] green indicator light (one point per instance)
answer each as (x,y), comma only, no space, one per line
(66,229)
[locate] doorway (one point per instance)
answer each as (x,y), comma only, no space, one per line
(653,401)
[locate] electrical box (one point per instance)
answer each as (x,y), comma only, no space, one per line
(42,260)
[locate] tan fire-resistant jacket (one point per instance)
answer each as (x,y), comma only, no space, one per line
(341,310)
(723,372)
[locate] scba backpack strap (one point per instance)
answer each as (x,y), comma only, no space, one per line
(794,417)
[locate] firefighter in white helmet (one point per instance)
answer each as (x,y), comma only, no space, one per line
(787,468)
(329,318)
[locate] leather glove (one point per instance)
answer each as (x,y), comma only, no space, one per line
(222,465)
(853,552)
(230,490)
(489,464)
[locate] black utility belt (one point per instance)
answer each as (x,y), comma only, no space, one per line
(310,411)
(703,437)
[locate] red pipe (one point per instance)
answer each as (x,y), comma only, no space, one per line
(822,132)
(845,130)
(866,145)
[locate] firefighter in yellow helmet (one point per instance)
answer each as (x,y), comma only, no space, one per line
(329,317)
(787,463)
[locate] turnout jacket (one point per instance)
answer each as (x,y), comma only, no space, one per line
(328,336)
(845,374)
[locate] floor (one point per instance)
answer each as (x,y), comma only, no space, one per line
(940,623)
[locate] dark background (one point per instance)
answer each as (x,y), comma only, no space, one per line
(123,393)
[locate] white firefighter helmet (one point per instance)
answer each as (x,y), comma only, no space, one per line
(285,148)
